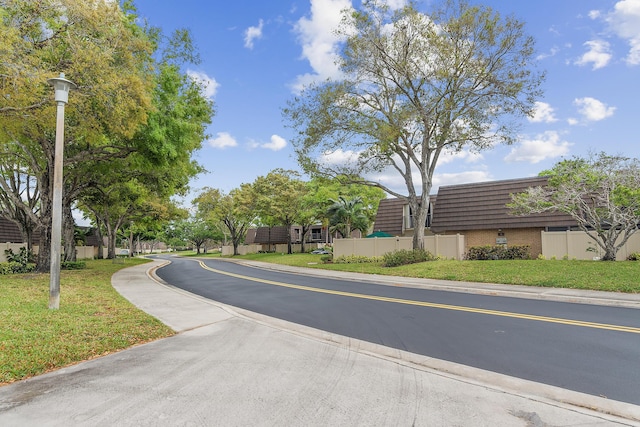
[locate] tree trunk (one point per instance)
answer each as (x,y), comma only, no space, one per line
(68,234)
(420,209)
(111,241)
(610,251)
(44,251)
(289,249)
(98,231)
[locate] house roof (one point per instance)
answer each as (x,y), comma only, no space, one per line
(271,235)
(390,216)
(9,231)
(481,206)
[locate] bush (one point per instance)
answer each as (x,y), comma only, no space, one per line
(355,259)
(326,259)
(22,262)
(498,252)
(634,256)
(73,265)
(404,257)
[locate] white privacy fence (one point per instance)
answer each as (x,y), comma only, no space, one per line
(578,245)
(449,247)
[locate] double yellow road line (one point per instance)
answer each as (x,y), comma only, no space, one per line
(617,328)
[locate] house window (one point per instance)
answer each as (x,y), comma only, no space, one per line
(409,218)
(316,234)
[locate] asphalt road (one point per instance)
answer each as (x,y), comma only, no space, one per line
(585,348)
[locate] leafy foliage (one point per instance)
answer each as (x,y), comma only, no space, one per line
(404,257)
(634,256)
(601,193)
(346,215)
(356,259)
(498,252)
(413,87)
(73,265)
(22,262)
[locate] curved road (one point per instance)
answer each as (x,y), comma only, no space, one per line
(586,348)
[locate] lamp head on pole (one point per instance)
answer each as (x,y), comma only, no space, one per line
(62,87)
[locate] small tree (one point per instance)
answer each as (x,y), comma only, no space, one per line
(346,215)
(602,193)
(235,210)
(279,196)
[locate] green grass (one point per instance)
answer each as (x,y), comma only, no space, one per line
(620,276)
(93,320)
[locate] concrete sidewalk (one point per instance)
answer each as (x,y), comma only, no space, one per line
(228,367)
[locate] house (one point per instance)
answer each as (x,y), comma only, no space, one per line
(479,212)
(277,235)
(10,233)
(394,217)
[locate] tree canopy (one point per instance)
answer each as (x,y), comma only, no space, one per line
(415,86)
(132,117)
(601,192)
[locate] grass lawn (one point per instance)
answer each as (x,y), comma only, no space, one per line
(619,276)
(93,320)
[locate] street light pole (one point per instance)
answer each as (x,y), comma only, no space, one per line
(62,87)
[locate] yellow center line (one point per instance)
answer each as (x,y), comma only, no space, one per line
(618,328)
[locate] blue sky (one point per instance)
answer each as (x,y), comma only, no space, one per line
(256,53)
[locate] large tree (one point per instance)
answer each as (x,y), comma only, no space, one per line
(98,46)
(133,116)
(415,86)
(601,192)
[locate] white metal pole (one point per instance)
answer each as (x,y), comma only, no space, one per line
(62,87)
(56,221)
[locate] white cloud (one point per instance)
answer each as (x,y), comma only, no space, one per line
(277,143)
(624,20)
(396,4)
(598,54)
(253,33)
(547,145)
(593,110)
(543,113)
(552,52)
(465,155)
(467,177)
(318,40)
(208,84)
(223,140)
(594,14)
(339,157)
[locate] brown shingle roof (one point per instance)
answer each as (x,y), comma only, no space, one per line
(9,231)
(278,235)
(481,206)
(390,216)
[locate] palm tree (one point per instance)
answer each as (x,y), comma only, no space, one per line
(346,215)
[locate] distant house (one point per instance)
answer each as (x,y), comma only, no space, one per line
(479,212)
(10,233)
(277,235)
